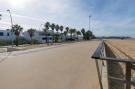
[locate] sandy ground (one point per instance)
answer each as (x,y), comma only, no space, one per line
(126,46)
(63,67)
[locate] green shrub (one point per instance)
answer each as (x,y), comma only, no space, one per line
(34,41)
(5,43)
(56,37)
(21,41)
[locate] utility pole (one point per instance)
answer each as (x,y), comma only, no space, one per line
(11,25)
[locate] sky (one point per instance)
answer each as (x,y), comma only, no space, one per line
(108,17)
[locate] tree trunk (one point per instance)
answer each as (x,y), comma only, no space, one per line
(71,36)
(31,40)
(61,36)
(65,37)
(77,38)
(53,36)
(17,40)
(46,39)
(57,37)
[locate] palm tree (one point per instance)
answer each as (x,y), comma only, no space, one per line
(88,35)
(71,31)
(57,35)
(53,27)
(65,34)
(67,31)
(61,29)
(45,29)
(78,33)
(47,25)
(83,32)
(17,29)
(74,30)
(57,28)
(31,32)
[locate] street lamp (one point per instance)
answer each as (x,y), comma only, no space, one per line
(0,16)
(11,25)
(90,22)
(40,26)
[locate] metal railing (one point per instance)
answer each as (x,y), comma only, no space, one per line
(103,52)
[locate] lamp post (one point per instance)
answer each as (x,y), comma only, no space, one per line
(0,16)
(11,25)
(40,26)
(90,22)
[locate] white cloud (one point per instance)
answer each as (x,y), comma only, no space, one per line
(64,12)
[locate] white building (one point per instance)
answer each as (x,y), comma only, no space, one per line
(39,36)
(74,37)
(6,35)
(68,37)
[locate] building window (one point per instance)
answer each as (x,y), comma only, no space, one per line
(41,33)
(1,34)
(8,34)
(50,38)
(43,38)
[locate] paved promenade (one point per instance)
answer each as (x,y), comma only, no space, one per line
(59,67)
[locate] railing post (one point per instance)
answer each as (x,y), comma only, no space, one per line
(128,75)
(99,75)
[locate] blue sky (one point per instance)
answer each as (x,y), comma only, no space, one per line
(109,17)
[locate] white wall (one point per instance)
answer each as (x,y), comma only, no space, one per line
(6,36)
(37,36)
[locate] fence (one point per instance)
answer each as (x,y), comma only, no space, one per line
(104,56)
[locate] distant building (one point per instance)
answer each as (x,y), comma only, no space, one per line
(39,36)
(6,35)
(68,37)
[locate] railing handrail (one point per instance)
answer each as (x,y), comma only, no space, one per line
(98,52)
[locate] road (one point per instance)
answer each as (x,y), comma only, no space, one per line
(59,67)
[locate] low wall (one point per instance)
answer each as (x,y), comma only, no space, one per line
(12,49)
(2,50)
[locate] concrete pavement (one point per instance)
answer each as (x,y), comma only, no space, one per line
(62,67)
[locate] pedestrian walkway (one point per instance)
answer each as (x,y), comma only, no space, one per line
(63,67)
